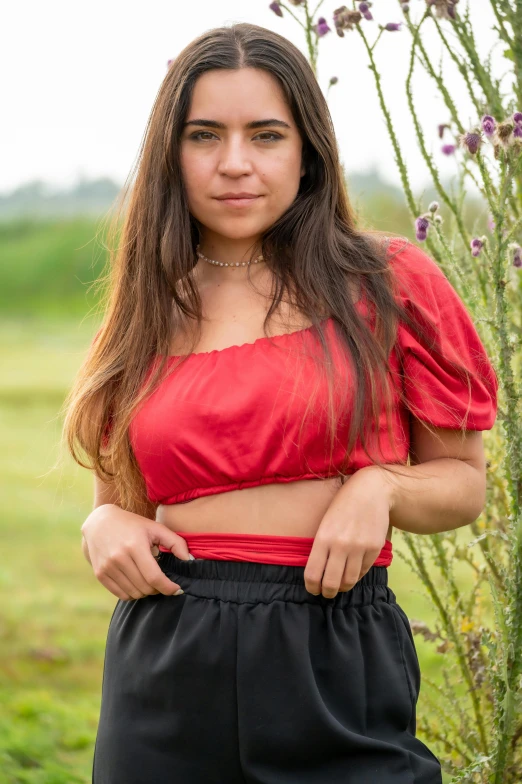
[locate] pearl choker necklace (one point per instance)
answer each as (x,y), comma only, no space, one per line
(225,264)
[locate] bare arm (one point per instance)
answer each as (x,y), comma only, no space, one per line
(443,489)
(104,493)
(85,550)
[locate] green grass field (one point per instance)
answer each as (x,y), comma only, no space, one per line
(54,614)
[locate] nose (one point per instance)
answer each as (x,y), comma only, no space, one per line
(234,158)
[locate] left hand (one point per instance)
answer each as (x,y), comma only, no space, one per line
(350,535)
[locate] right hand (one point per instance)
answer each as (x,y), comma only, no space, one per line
(120,547)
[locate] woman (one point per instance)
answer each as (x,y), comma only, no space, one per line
(246,483)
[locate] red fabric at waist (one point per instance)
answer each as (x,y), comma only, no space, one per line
(260,548)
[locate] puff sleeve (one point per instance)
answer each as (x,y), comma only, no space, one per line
(436,393)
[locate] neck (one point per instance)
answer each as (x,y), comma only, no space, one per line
(229,250)
(236,258)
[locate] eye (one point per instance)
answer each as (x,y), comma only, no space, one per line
(195,136)
(276,136)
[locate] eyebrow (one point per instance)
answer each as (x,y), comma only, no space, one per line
(273,123)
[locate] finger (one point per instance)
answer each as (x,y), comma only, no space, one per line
(134,575)
(122,569)
(368,561)
(160,534)
(113,587)
(152,573)
(119,575)
(314,569)
(351,572)
(333,573)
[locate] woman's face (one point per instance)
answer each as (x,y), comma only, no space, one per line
(220,154)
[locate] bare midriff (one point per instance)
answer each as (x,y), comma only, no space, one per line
(284,509)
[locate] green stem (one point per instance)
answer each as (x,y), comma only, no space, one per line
(489,191)
(457,640)
(389,125)
(318,6)
(464,68)
(289,11)
(469,295)
(312,45)
(513,654)
(420,138)
(464,33)
(450,631)
(488,556)
(503,33)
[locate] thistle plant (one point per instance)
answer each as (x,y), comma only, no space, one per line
(474,717)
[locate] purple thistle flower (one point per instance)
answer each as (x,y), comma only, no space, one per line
(321,27)
(169,62)
(517,257)
(488,125)
(276,8)
(452,11)
(517,118)
(491,223)
(505,133)
(476,246)
(448,149)
(393,27)
(421,228)
(345,20)
(441,128)
(364,8)
(471,141)
(444,9)
(517,133)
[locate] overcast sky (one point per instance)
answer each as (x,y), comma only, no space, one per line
(79,80)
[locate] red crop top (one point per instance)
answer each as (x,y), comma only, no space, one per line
(219,422)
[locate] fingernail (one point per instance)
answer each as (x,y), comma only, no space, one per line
(191,557)
(178,592)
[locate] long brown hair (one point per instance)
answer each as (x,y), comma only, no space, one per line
(314,250)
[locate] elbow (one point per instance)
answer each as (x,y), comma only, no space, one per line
(477,493)
(85,550)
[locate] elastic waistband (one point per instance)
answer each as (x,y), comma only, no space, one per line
(260,548)
(246,581)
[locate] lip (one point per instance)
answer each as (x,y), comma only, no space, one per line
(239,201)
(238,195)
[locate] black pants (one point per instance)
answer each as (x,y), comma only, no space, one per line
(247,678)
